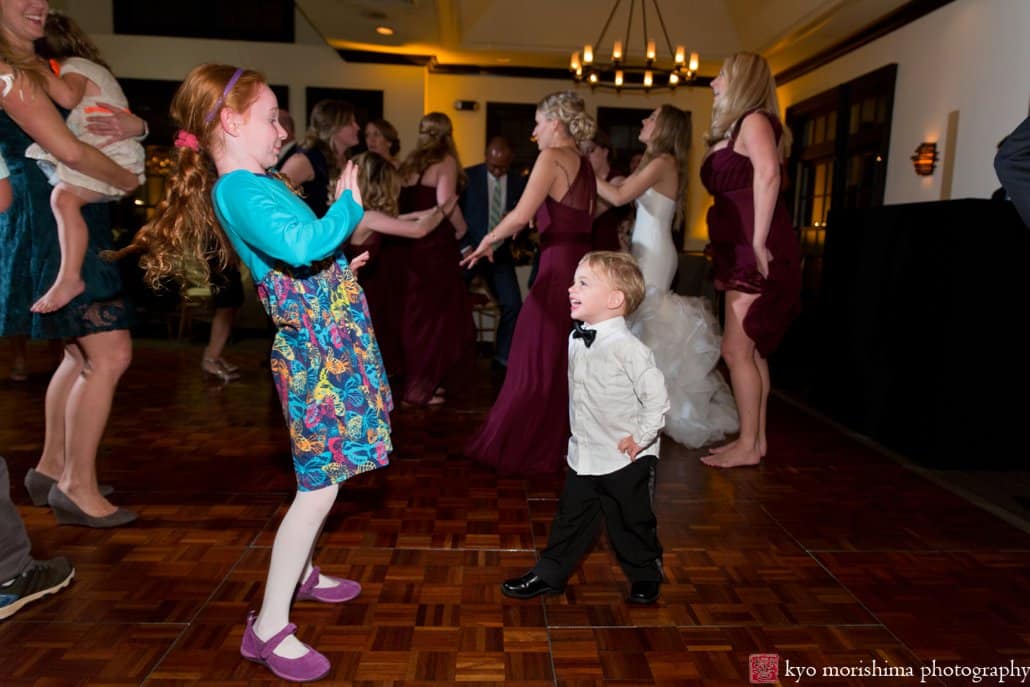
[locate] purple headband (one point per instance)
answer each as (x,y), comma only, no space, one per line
(221,99)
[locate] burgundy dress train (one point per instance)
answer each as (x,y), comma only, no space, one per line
(437,331)
(527,429)
(728,176)
(383,295)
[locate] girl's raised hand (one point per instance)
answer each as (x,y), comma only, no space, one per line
(349,182)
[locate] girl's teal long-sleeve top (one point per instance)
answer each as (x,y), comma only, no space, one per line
(268,223)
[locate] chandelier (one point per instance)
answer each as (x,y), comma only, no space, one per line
(622,71)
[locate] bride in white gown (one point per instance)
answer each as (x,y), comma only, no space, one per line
(682,332)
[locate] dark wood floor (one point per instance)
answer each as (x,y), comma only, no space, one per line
(830,555)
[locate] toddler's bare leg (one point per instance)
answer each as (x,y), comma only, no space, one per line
(67,202)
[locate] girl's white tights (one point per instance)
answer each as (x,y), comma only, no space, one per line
(291,557)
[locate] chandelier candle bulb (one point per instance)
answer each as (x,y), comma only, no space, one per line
(625,69)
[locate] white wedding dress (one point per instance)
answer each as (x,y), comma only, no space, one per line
(682,333)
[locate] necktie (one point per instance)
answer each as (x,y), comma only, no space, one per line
(496,204)
(588,335)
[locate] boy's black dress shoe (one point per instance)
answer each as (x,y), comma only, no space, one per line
(644,592)
(527,586)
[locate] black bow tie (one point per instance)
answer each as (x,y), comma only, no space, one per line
(588,335)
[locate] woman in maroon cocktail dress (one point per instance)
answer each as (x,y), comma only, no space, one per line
(438,333)
(755,252)
(527,430)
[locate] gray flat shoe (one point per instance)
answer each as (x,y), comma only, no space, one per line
(67,513)
(38,485)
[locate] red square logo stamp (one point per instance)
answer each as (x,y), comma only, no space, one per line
(763,669)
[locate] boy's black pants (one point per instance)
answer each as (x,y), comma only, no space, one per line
(624,498)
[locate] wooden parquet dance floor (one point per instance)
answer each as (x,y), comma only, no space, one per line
(830,555)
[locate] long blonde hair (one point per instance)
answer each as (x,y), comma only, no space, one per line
(569,109)
(749,86)
(379,182)
(327,117)
(671,136)
(435,143)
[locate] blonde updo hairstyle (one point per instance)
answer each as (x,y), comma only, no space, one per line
(569,109)
(749,86)
(435,143)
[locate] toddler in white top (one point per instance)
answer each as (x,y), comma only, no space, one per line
(617,406)
(86,87)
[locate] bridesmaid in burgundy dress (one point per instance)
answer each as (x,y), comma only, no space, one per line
(438,333)
(609,218)
(527,430)
(380,186)
(756,255)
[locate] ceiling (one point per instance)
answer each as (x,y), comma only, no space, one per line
(543,33)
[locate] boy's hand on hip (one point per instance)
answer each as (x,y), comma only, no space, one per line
(629,447)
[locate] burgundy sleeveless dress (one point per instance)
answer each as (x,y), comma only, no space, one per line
(527,429)
(731,225)
(381,293)
(606,225)
(437,331)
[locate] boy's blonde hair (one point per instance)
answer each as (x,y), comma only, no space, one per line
(623,274)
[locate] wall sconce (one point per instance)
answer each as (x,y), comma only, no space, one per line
(925,159)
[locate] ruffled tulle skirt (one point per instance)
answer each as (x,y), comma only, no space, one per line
(685,338)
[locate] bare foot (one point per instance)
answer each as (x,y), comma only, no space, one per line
(59,295)
(737,457)
(716,450)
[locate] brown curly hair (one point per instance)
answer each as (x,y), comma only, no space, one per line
(184,239)
(64,38)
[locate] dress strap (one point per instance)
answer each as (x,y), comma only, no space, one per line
(568,181)
(6,83)
(735,129)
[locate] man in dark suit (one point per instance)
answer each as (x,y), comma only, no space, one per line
(1012,163)
(491,193)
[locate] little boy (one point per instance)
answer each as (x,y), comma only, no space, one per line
(617,406)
